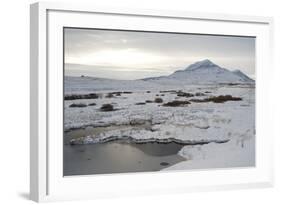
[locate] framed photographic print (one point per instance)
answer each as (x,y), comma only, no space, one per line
(127,102)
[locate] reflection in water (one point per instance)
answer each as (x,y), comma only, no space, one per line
(117,157)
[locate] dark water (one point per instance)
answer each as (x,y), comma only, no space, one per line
(118,157)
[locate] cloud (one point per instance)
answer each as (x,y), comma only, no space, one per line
(160,52)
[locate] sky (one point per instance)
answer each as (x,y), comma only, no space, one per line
(133,55)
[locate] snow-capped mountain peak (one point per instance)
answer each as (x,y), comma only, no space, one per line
(203,72)
(201,64)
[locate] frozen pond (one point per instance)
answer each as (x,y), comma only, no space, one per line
(118,157)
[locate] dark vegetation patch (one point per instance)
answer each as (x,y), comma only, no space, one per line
(181,93)
(121,92)
(140,103)
(208,92)
(116,93)
(83,96)
(149,101)
(200,94)
(94,95)
(148,91)
(232,84)
(176,103)
(78,105)
(109,95)
(162,94)
(184,94)
(200,100)
(107,107)
(224,98)
(158,100)
(217,99)
(92,104)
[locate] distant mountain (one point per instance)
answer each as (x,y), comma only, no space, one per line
(243,76)
(203,72)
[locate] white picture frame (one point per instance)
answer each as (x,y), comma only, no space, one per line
(46,180)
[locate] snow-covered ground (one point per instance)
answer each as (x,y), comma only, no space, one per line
(228,127)
(196,122)
(235,153)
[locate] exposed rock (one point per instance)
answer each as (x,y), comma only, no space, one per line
(164,163)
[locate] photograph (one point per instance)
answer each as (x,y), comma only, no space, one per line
(148,101)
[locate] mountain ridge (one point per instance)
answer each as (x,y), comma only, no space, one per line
(205,72)
(200,72)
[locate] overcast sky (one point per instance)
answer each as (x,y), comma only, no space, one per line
(135,55)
